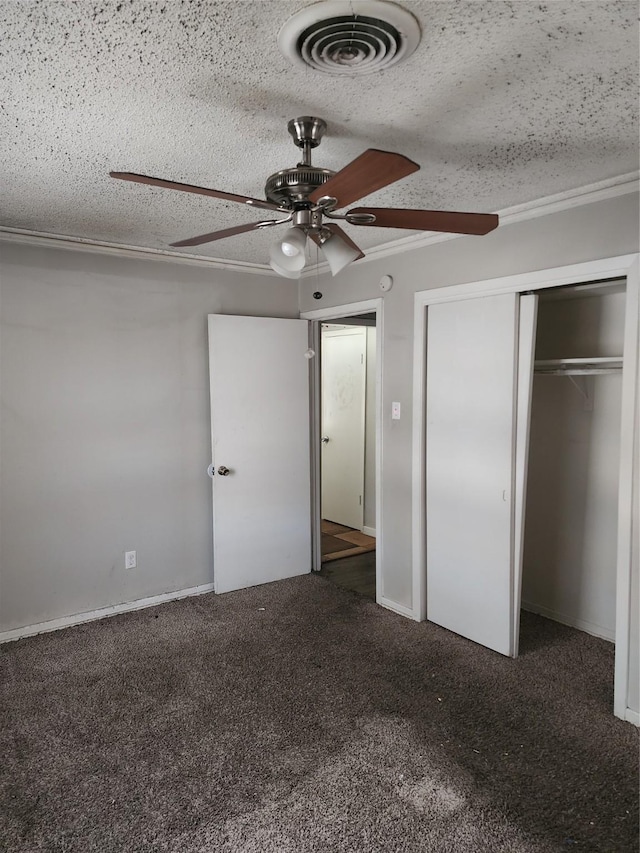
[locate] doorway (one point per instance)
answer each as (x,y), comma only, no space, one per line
(571,527)
(347,453)
(355,564)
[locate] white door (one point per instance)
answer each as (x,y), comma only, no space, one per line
(259,379)
(343,425)
(474,499)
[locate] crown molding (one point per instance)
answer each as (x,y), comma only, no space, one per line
(121,250)
(609,188)
(599,191)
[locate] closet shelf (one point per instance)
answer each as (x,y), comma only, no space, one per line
(578,366)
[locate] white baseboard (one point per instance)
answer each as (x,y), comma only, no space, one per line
(632,717)
(400,609)
(102,613)
(580,624)
(370,531)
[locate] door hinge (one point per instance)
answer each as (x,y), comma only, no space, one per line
(360,499)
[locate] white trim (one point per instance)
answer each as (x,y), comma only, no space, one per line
(317,316)
(628,449)
(342,331)
(527,324)
(632,717)
(339,311)
(315,426)
(369,531)
(623,266)
(571,621)
(418,477)
(599,191)
(121,250)
(400,609)
(617,267)
(102,613)
(380,554)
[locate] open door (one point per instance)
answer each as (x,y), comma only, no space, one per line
(343,424)
(474,489)
(259,379)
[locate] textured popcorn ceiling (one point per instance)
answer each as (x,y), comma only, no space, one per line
(502,103)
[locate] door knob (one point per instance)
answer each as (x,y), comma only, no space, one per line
(223,471)
(325,439)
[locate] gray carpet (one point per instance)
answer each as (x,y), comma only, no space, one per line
(300,717)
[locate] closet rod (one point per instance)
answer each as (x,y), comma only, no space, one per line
(578,366)
(577,371)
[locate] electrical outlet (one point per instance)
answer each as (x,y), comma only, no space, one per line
(130,559)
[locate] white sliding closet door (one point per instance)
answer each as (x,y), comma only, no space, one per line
(472,506)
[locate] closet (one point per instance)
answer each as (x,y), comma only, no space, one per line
(526,448)
(523,423)
(571,514)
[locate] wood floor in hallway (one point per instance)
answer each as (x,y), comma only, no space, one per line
(357,573)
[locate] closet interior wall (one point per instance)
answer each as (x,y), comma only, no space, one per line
(570,545)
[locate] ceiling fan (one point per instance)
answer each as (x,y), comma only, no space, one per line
(308,196)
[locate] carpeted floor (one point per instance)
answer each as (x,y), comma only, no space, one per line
(301,717)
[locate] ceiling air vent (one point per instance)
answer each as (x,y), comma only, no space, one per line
(350,36)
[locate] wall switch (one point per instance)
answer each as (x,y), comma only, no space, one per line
(130,559)
(395,411)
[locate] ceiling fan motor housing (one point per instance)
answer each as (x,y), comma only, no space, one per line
(289,186)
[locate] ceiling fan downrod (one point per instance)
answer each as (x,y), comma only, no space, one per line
(307,132)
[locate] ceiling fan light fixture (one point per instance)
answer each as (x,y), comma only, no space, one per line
(282,271)
(287,255)
(338,253)
(293,243)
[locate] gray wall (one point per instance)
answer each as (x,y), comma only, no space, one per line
(597,230)
(105,430)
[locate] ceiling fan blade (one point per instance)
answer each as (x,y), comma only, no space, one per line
(341,235)
(227,232)
(190,188)
(369,172)
(427,220)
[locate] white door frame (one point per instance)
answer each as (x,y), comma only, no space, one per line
(622,266)
(324,315)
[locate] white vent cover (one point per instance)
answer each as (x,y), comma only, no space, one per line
(350,36)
